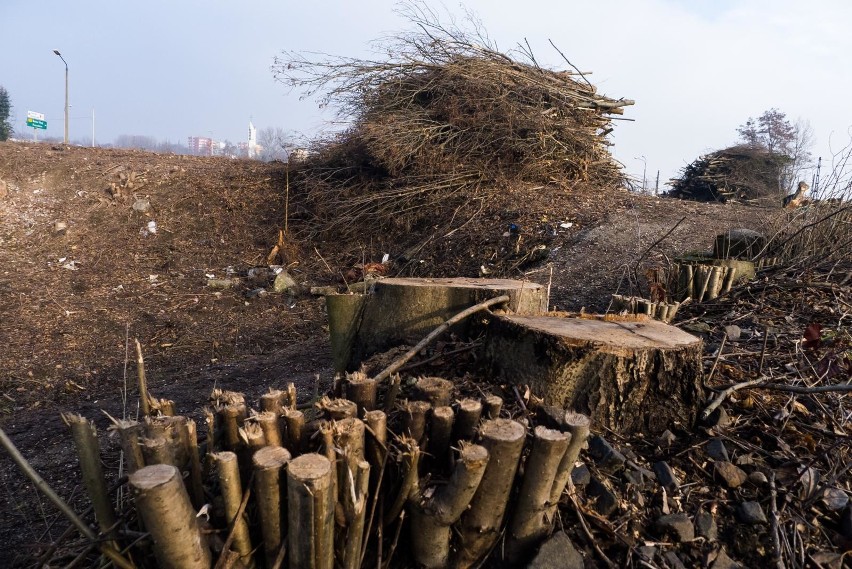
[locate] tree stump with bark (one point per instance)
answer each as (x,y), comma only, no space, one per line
(404,310)
(631,374)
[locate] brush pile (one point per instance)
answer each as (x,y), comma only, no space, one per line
(445,119)
(741,173)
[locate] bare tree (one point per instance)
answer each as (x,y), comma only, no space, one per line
(5,112)
(773,132)
(274,142)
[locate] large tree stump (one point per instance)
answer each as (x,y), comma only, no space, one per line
(403,311)
(629,375)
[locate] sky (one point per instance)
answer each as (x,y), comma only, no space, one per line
(178,68)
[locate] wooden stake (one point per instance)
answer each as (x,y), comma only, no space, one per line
(163,504)
(143,384)
(129,433)
(268,463)
(88,450)
(232,495)
(437,391)
(393,392)
(440,435)
(530,523)
(274,401)
(295,431)
(158,451)
(355,530)
(410,463)
(480,525)
(268,423)
(232,417)
(310,515)
(431,517)
(492,405)
(338,409)
(578,425)
(362,390)
(377,442)
(196,487)
(415,419)
(467,419)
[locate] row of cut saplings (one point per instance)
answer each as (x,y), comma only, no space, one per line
(341,488)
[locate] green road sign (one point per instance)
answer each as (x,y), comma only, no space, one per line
(36,123)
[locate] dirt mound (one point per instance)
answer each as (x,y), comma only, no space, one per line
(742,173)
(97,246)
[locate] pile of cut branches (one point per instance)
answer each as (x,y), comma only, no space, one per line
(741,173)
(443,119)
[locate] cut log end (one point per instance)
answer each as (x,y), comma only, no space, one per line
(309,468)
(270,458)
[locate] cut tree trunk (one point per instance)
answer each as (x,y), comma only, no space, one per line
(269,483)
(163,503)
(629,375)
(310,512)
(480,525)
(404,310)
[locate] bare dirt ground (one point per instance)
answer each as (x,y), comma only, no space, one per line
(72,301)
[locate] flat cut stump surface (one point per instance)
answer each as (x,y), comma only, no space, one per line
(629,375)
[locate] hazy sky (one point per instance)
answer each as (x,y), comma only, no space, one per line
(172,69)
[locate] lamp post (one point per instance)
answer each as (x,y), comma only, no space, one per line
(644,171)
(56,51)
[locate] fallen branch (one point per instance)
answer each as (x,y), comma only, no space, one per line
(402,360)
(61,505)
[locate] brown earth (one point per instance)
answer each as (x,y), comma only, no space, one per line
(72,302)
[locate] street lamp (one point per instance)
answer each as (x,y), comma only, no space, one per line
(56,51)
(644,170)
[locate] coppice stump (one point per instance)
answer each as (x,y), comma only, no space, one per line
(631,374)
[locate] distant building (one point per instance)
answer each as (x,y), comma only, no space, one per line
(201,146)
(252,148)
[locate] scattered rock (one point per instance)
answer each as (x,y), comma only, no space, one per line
(605,455)
(678,526)
(60,227)
(758,478)
(745,460)
(141,205)
(666,439)
(285,283)
(716,450)
(731,474)
(606,502)
(666,476)
(635,477)
(718,419)
(734,332)
(4,190)
(581,476)
(254,293)
(557,553)
(705,526)
(834,499)
(751,513)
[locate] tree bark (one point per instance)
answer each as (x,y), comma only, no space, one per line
(480,525)
(89,452)
(232,495)
(630,375)
(530,522)
(431,517)
(163,504)
(269,483)
(437,391)
(310,515)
